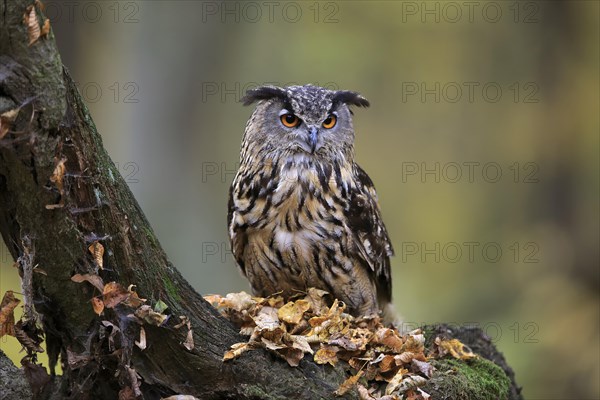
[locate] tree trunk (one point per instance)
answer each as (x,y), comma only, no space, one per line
(59,193)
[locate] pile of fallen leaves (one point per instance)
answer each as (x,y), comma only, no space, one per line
(389,365)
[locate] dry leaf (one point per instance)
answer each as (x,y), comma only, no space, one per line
(364,394)
(189,341)
(455,348)
(76,361)
(411,382)
(111,338)
(33,26)
(97,305)
(348,384)
(114,294)
(184,321)
(7,316)
(45,28)
(326,355)
(406,357)
(316,299)
(36,375)
(236,350)
(301,343)
(236,301)
(58,179)
(292,356)
(147,314)
(423,367)
(97,251)
(160,306)
(6,120)
(142,342)
(29,337)
(267,319)
(293,312)
(134,380)
(95,280)
(127,393)
(388,338)
(133,301)
(387,363)
(395,381)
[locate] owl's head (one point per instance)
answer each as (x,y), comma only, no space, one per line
(302,120)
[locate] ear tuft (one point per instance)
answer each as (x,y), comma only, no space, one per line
(350,98)
(263,93)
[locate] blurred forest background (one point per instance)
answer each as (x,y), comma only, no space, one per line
(482,140)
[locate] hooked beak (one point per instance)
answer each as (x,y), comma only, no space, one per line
(313,138)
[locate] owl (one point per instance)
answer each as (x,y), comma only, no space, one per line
(301,212)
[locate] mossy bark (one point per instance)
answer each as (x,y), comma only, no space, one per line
(56,222)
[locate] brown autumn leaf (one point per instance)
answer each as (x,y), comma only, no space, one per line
(36,375)
(95,280)
(184,321)
(387,363)
(291,355)
(114,294)
(7,313)
(213,299)
(455,348)
(29,337)
(133,301)
(150,316)
(364,394)
(6,120)
(58,179)
(326,355)
(406,357)
(293,311)
(31,21)
(395,382)
(348,384)
(267,318)
(236,350)
(410,382)
(127,393)
(236,301)
(97,305)
(300,342)
(388,338)
(45,28)
(345,342)
(423,367)
(316,298)
(414,342)
(97,251)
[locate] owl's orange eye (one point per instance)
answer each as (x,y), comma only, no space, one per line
(290,120)
(330,121)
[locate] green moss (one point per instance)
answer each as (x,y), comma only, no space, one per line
(171,289)
(478,379)
(150,236)
(255,391)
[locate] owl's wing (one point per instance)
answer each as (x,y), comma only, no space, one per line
(364,219)
(237,234)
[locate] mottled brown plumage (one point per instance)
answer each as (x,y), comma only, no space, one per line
(302,213)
